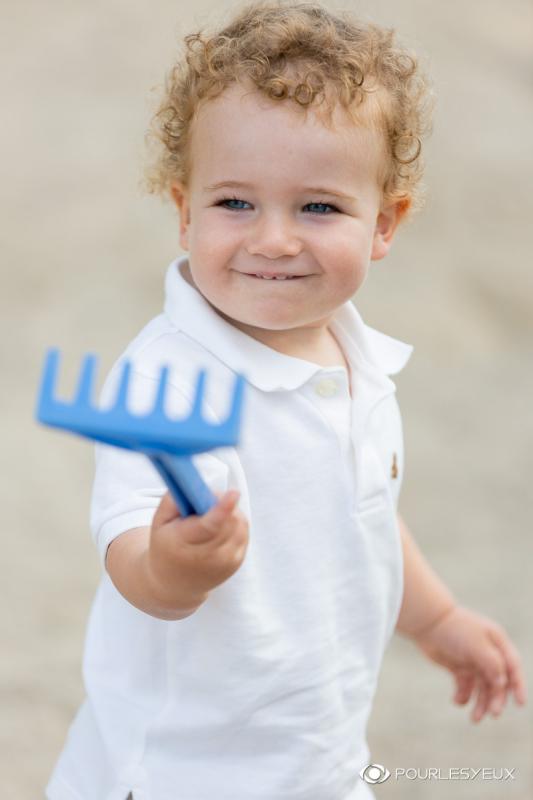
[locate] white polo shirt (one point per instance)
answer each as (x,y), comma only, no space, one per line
(265,691)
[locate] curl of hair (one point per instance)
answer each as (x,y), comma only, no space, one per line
(299,52)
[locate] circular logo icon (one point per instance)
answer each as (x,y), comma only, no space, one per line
(375,773)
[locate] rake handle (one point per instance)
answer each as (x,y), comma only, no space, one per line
(188,489)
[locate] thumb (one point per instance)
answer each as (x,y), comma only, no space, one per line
(166,511)
(222,509)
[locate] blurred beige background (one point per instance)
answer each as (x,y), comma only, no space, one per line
(84,255)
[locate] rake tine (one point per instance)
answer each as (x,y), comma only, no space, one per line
(50,410)
(232,421)
(159,403)
(49,379)
(86,380)
(122,392)
(196,411)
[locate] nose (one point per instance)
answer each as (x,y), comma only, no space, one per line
(272,237)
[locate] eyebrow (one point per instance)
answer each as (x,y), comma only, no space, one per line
(308,189)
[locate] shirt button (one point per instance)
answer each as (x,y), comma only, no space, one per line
(327,387)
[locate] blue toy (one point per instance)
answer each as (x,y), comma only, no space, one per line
(169,444)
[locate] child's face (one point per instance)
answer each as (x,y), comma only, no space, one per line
(286,219)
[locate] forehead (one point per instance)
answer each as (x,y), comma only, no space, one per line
(242,131)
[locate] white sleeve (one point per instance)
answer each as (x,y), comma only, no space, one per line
(127,488)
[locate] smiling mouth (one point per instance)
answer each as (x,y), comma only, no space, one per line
(263,277)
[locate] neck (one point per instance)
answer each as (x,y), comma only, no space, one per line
(314,343)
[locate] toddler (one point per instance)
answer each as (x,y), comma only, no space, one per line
(235,655)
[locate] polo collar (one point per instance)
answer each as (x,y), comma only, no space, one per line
(265,368)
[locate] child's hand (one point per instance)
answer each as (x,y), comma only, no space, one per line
(192,555)
(480,656)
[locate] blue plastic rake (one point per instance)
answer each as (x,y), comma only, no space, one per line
(168,443)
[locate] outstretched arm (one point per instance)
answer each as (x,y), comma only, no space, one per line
(476,650)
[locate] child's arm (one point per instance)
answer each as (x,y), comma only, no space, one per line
(426,599)
(168,570)
(476,650)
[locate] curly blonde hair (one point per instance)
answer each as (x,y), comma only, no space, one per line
(302,53)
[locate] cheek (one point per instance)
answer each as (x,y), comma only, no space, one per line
(348,239)
(347,261)
(345,252)
(213,238)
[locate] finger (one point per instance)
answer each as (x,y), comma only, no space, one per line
(465,682)
(515,674)
(492,665)
(480,706)
(498,702)
(461,684)
(220,512)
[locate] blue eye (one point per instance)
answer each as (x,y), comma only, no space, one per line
(232,200)
(321,206)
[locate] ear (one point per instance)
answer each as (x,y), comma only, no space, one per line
(388,220)
(180,195)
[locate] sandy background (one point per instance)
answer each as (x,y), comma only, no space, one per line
(84,254)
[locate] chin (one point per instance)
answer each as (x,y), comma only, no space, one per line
(261,322)
(272,323)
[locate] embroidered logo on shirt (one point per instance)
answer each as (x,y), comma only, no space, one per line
(394,468)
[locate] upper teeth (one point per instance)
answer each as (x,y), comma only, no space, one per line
(273,277)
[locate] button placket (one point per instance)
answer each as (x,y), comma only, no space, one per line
(330,395)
